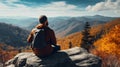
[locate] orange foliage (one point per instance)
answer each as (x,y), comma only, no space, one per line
(75,40)
(108,48)
(110,43)
(6,54)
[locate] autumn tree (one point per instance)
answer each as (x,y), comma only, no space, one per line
(86,41)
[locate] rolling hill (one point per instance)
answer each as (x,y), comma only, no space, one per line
(12,35)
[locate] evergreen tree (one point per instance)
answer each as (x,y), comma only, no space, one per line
(86,39)
(70,44)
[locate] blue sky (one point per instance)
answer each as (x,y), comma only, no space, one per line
(53,8)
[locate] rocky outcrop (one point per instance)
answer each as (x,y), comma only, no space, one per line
(75,57)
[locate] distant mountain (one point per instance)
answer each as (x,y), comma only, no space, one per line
(18,21)
(64,26)
(75,38)
(52,22)
(12,35)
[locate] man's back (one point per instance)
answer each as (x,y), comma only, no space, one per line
(49,38)
(39,38)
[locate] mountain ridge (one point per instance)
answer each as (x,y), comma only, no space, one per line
(65,26)
(13,35)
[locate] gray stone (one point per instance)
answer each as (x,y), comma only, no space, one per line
(74,57)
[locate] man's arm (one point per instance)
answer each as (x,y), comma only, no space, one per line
(30,37)
(54,42)
(53,38)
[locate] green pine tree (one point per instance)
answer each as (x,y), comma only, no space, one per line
(86,39)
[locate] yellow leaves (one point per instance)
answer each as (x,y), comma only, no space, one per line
(110,43)
(114,35)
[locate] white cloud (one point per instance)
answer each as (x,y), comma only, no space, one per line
(117,11)
(61,5)
(57,6)
(107,5)
(97,7)
(2,6)
(11,1)
(60,8)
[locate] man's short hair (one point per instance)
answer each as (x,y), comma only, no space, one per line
(42,19)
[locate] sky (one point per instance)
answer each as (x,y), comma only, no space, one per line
(55,8)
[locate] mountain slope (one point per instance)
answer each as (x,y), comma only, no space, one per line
(75,38)
(12,35)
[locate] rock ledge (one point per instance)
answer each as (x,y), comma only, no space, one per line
(74,57)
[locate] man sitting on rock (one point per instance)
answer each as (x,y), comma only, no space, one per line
(42,39)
